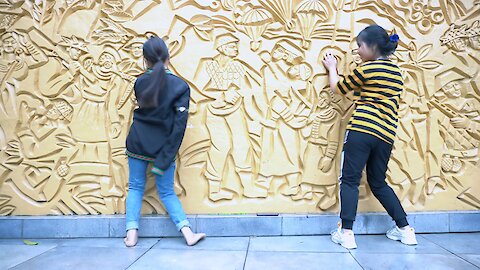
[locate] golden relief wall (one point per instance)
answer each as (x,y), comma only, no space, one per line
(263,134)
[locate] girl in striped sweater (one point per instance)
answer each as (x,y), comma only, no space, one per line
(370,132)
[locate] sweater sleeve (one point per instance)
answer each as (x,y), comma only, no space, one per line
(352,82)
(172,143)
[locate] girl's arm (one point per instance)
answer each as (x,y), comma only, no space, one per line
(352,82)
(172,144)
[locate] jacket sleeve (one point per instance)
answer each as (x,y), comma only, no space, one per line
(352,82)
(167,155)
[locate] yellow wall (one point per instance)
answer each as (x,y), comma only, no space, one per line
(259,125)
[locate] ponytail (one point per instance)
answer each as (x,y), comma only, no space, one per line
(149,97)
(390,46)
(155,51)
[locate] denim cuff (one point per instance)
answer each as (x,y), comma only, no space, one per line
(182,224)
(132,225)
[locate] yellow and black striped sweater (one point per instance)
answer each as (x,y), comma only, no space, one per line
(378,84)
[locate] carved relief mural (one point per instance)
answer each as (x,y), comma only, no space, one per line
(263,135)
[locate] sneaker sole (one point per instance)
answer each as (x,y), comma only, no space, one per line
(395,238)
(338,242)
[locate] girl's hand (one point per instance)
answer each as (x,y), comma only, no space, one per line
(329,61)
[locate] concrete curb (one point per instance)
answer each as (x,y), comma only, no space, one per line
(230,225)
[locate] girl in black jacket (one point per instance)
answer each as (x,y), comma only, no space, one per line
(155,137)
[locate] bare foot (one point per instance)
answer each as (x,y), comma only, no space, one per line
(192,238)
(132,238)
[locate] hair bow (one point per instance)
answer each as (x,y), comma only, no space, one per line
(394,38)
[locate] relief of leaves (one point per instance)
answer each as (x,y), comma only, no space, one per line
(220,21)
(7,210)
(4,199)
(41,10)
(13,148)
(114,4)
(103,38)
(87,195)
(13,160)
(5,5)
(118,16)
(65,141)
(113,33)
(33,9)
(9,4)
(116,12)
(195,154)
(228,4)
(202,25)
(48,11)
(81,4)
(417,56)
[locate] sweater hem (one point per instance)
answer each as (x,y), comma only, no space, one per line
(371,133)
(137,156)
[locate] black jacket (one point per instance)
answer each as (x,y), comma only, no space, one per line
(156,133)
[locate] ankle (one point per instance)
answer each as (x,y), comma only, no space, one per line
(186,231)
(132,233)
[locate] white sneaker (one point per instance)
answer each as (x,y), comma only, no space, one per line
(406,236)
(345,239)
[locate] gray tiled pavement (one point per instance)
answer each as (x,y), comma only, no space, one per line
(435,251)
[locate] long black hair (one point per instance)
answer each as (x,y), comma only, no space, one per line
(376,37)
(155,51)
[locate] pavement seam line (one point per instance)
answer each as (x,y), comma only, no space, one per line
(456,255)
(351,254)
(143,253)
(426,239)
(246,253)
(465,260)
(451,252)
(34,257)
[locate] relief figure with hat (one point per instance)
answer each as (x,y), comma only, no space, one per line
(227,80)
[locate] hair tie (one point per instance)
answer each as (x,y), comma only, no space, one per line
(394,38)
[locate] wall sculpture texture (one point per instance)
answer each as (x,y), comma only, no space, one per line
(263,135)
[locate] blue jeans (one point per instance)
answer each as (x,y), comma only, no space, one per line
(136,189)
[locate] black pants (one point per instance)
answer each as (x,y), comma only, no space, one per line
(362,149)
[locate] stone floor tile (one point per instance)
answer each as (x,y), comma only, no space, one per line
(300,260)
(11,255)
(295,243)
(178,259)
(468,243)
(472,258)
(381,244)
(209,243)
(87,258)
(379,261)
